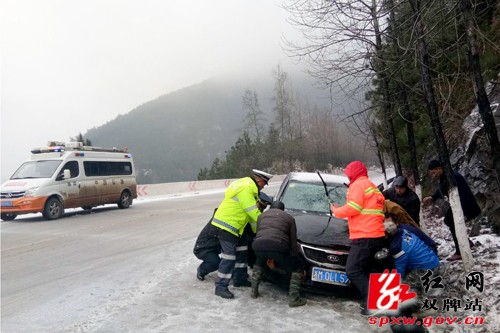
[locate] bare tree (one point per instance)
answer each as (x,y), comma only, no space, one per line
(343,44)
(403,92)
(380,66)
(254,115)
(283,109)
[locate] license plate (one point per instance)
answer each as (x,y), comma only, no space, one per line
(6,203)
(329,276)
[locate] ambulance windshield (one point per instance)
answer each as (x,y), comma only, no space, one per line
(36,169)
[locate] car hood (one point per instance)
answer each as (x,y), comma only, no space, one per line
(321,229)
(22,184)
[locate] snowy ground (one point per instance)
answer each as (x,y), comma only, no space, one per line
(154,289)
(487,261)
(117,271)
(322,313)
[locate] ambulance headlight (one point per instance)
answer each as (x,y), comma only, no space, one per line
(29,192)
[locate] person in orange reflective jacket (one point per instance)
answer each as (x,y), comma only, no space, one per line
(364,211)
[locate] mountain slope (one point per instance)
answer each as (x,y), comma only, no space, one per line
(175,135)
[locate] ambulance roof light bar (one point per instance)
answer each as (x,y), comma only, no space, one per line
(57,146)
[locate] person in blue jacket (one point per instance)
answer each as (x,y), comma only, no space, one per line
(411,248)
(415,258)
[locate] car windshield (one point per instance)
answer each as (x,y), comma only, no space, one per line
(36,169)
(307,196)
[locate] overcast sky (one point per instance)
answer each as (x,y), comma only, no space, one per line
(70,65)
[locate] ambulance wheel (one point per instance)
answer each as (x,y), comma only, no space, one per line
(125,200)
(53,209)
(8,216)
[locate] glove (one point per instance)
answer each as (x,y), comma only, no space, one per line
(271,264)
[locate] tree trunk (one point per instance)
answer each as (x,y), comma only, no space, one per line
(408,117)
(432,109)
(380,158)
(380,69)
(481,97)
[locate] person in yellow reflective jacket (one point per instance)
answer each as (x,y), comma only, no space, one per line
(239,207)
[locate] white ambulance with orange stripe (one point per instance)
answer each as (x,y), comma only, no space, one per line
(69,175)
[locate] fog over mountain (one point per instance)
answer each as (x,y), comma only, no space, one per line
(174,136)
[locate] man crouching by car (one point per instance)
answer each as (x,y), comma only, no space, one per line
(276,239)
(364,211)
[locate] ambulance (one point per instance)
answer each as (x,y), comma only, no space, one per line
(68,175)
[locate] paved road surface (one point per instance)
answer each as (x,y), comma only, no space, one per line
(132,270)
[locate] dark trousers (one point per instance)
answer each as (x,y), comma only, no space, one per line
(233,263)
(211,260)
(448,220)
(283,260)
(361,262)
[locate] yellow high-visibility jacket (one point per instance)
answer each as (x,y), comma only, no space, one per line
(238,207)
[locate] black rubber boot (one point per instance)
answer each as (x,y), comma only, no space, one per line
(256,278)
(199,276)
(223,292)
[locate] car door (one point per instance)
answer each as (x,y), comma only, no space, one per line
(70,188)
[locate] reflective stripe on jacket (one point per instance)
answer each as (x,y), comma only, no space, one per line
(364,209)
(238,207)
(410,252)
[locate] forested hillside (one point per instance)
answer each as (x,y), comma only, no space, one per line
(176,135)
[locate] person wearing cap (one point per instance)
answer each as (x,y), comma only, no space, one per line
(276,239)
(207,247)
(364,211)
(467,200)
(401,194)
(238,208)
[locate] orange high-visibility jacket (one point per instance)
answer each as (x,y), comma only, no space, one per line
(364,209)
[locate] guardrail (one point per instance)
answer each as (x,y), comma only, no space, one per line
(193,186)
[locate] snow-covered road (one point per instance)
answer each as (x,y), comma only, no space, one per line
(133,270)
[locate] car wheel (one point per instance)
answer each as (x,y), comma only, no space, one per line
(8,216)
(125,200)
(53,209)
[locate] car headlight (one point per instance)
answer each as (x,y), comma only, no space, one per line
(29,192)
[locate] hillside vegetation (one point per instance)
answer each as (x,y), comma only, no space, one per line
(178,134)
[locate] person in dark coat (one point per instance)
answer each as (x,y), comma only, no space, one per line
(207,248)
(467,200)
(401,194)
(276,239)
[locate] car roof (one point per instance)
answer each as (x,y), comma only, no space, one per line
(313,177)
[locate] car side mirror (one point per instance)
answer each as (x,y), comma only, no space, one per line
(66,174)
